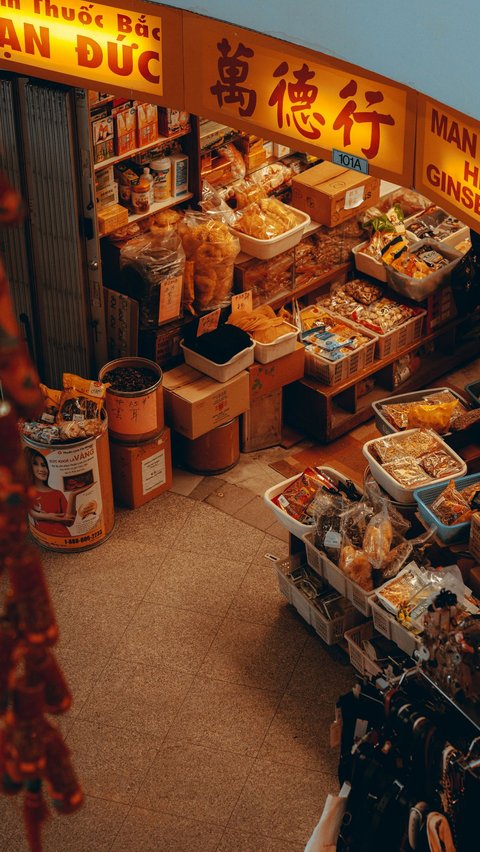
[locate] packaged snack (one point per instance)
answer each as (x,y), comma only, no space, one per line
(327,509)
(363,291)
(81,406)
(266,219)
(262,323)
(52,403)
(451,506)
(407,472)
(435,416)
(378,538)
(439,464)
(355,565)
(213,249)
(299,494)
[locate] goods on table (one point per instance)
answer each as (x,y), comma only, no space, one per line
(434,222)
(327,336)
(415,457)
(297,497)
(363,302)
(437,411)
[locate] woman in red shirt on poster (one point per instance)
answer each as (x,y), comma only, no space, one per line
(52,512)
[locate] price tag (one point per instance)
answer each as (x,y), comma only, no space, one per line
(354,197)
(242,302)
(209,322)
(170,298)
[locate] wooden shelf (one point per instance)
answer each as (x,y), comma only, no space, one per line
(161,205)
(320,282)
(161,140)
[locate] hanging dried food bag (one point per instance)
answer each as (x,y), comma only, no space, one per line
(213,249)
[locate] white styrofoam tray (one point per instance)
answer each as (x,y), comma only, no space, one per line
(400,492)
(293,526)
(220,372)
(266,352)
(265,249)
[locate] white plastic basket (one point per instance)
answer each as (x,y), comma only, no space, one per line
(358,658)
(335,576)
(220,372)
(265,249)
(388,626)
(293,526)
(266,352)
(400,492)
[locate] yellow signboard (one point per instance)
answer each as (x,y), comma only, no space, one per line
(287,93)
(99,46)
(447,167)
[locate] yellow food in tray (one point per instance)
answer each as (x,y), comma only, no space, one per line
(266,219)
(262,323)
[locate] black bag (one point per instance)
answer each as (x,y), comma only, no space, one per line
(465,278)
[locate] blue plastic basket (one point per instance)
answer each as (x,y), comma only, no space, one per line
(426,495)
(473,390)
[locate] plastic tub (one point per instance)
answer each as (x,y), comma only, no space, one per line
(383,424)
(427,495)
(265,249)
(400,492)
(368,264)
(422,288)
(473,390)
(293,526)
(220,372)
(266,352)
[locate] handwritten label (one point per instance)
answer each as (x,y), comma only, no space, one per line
(354,197)
(132,416)
(242,302)
(209,322)
(170,298)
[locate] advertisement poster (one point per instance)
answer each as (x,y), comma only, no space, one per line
(67,513)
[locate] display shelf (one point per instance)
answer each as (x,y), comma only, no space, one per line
(161,140)
(327,412)
(320,282)
(160,205)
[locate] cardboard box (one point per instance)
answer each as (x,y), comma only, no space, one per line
(262,425)
(143,471)
(147,124)
(255,159)
(121,316)
(107,195)
(171,121)
(162,345)
(102,135)
(104,177)
(179,174)
(125,130)
(195,404)
(331,194)
(112,217)
(266,378)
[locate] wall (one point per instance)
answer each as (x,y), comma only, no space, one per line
(430,45)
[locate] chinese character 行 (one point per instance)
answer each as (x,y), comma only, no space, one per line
(302,95)
(348,115)
(233,70)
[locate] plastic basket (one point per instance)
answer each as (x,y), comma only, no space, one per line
(473,390)
(397,339)
(335,372)
(358,658)
(389,627)
(420,289)
(265,249)
(427,495)
(400,492)
(367,264)
(219,372)
(335,576)
(383,424)
(266,352)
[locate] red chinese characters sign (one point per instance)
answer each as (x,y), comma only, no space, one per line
(287,93)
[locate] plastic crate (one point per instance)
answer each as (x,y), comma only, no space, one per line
(267,352)
(473,390)
(388,626)
(335,372)
(427,495)
(331,631)
(358,658)
(400,337)
(335,577)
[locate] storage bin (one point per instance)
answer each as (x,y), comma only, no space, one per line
(473,390)
(422,288)
(427,495)
(358,658)
(335,372)
(381,421)
(220,372)
(398,338)
(265,249)
(400,492)
(335,576)
(388,626)
(266,352)
(293,526)
(368,264)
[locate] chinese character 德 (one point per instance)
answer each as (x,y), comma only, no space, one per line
(348,115)
(233,70)
(302,95)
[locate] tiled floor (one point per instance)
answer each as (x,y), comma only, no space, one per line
(202,701)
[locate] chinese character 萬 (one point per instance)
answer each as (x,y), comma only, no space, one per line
(302,95)
(233,71)
(348,115)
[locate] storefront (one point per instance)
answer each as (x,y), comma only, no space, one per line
(281,233)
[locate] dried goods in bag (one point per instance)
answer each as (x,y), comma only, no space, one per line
(213,249)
